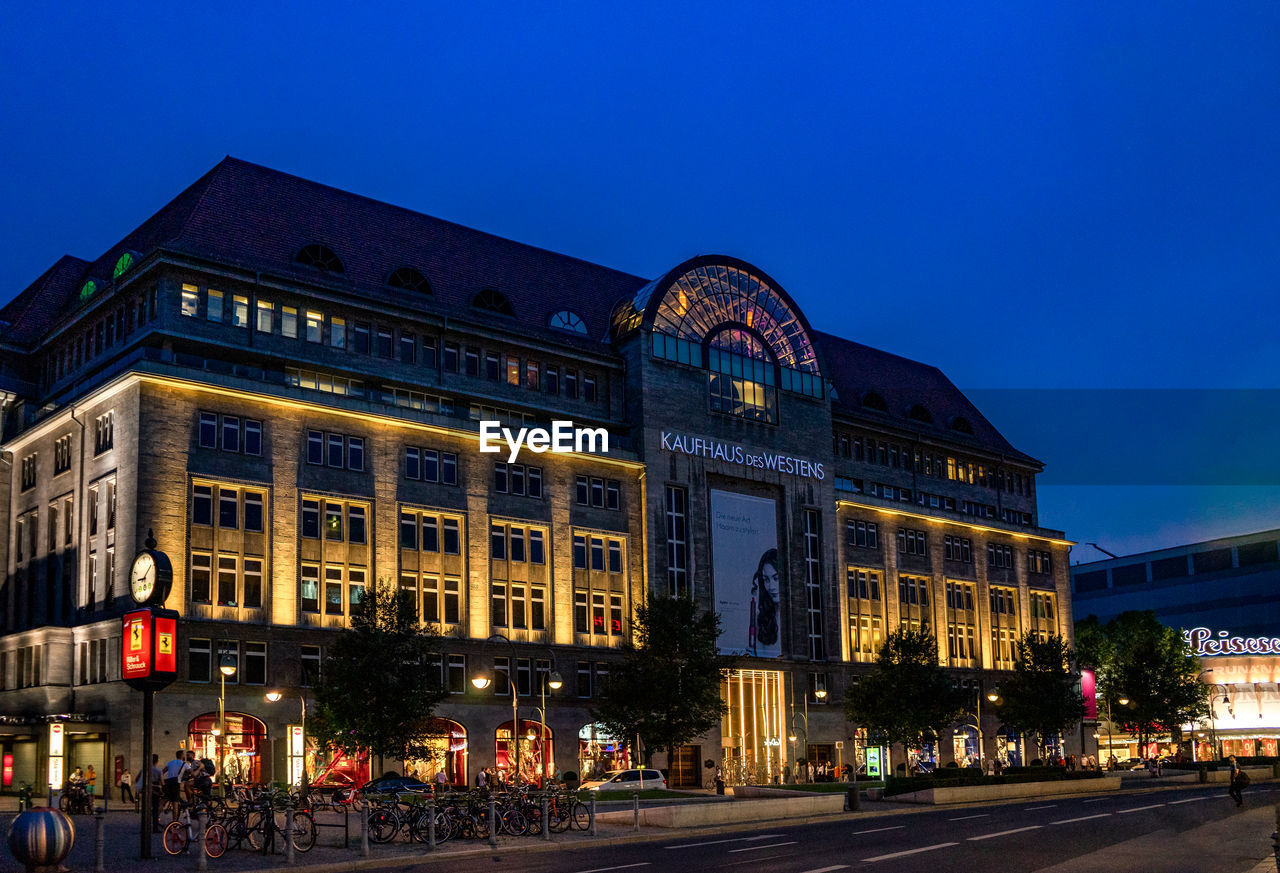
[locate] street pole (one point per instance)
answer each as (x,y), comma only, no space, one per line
(542,736)
(144,831)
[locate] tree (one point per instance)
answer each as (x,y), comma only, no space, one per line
(667,688)
(1041,696)
(908,696)
(377,686)
(1138,659)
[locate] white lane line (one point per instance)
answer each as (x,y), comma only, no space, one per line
(1138,808)
(1034,808)
(1099,799)
(620,867)
(878,830)
(719,842)
(1193,799)
(758,848)
(1006,833)
(1081,818)
(967,817)
(827,869)
(909,852)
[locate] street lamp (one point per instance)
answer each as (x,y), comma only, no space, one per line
(483,680)
(273,696)
(226,669)
(553,681)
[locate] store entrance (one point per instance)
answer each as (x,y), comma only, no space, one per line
(685,770)
(754,729)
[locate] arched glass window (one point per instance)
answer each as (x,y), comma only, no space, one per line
(570,321)
(491,300)
(320,256)
(919,413)
(410,280)
(742,374)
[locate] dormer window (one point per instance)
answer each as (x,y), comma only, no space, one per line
(570,321)
(490,300)
(919,413)
(872,400)
(960,424)
(321,257)
(410,280)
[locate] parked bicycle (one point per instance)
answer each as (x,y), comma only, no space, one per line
(181,832)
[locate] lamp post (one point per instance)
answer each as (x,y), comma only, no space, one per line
(482,681)
(226,668)
(273,696)
(553,681)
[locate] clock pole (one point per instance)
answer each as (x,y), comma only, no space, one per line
(145,830)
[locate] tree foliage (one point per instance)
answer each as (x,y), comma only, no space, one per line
(1138,659)
(1042,696)
(377,687)
(908,696)
(667,688)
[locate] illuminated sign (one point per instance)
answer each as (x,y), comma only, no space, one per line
(149,648)
(873,762)
(731,453)
(57,746)
(297,758)
(1089,690)
(1205,642)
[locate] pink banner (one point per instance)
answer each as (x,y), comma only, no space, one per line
(1089,690)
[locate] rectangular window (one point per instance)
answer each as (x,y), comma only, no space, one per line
(589,388)
(517,545)
(228,509)
(537,551)
(531,375)
(201,578)
(612,495)
(230,433)
(356,530)
(309,584)
(597,612)
(333,521)
(336,454)
(190,300)
(535,481)
(579,552)
(498,542)
(571,384)
(430,534)
(429,352)
(360,334)
(597,554)
(448,468)
(498,605)
(201,505)
(311,519)
(355,587)
(332,590)
(553,380)
(615,615)
(252,437)
(677,542)
(62,455)
(537,607)
(315,326)
(338,332)
(449,358)
(580,619)
(253,515)
(384,347)
(253,583)
(431,599)
(457,678)
(412,463)
(355,453)
(452,600)
(315,447)
(582,491)
(239,311)
(408,348)
(266,316)
(310,658)
(500,477)
(813,582)
(491,368)
(597,493)
(408,531)
(199,660)
(104,433)
(451,537)
(227,572)
(213,311)
(513,370)
(615,556)
(289,322)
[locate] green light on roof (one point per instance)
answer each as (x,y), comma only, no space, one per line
(123,265)
(88,289)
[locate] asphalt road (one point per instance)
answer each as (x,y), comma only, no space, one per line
(1196,829)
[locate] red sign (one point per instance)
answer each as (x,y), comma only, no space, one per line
(149,648)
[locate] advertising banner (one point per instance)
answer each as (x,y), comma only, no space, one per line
(1088,688)
(747,573)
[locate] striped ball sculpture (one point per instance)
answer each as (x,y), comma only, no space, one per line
(40,838)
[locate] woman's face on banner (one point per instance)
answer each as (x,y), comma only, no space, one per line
(769,578)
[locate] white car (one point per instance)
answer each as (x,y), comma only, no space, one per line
(627,780)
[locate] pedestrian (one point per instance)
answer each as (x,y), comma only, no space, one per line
(786,774)
(126,788)
(442,782)
(90,780)
(1071,763)
(481,778)
(157,791)
(174,770)
(1239,781)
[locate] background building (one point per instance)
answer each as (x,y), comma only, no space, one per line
(285,382)
(1225,595)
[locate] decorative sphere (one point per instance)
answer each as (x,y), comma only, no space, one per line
(41,838)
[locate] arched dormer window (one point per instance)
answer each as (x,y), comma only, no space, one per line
(491,300)
(919,413)
(568,320)
(321,257)
(873,401)
(409,279)
(960,424)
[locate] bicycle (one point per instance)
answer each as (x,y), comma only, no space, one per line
(181,832)
(263,827)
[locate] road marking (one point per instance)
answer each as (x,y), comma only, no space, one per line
(909,852)
(621,867)
(1081,818)
(1006,833)
(1099,799)
(758,848)
(967,817)
(827,869)
(1034,808)
(719,842)
(878,830)
(1193,799)
(1139,808)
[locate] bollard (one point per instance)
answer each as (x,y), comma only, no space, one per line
(546,820)
(431,824)
(202,854)
(593,813)
(635,801)
(51,804)
(364,826)
(288,832)
(493,823)
(853,800)
(99,842)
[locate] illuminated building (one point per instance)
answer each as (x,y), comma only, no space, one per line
(285,381)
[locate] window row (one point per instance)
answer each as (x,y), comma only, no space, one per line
(226,580)
(513,370)
(507,543)
(517,479)
(334,512)
(940,466)
(430,532)
(237,508)
(600,493)
(230,433)
(438,598)
(430,465)
(518,605)
(98,336)
(596,547)
(335,450)
(340,588)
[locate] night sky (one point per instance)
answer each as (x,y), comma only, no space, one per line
(1029,196)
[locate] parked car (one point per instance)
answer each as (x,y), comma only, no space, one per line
(388,784)
(627,780)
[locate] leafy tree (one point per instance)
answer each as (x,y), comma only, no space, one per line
(908,696)
(667,688)
(1138,659)
(377,689)
(1041,696)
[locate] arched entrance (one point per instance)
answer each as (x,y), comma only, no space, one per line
(1009,747)
(448,743)
(965,747)
(598,752)
(532,752)
(241,747)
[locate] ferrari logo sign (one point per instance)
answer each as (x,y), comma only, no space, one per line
(148,658)
(165,646)
(135,637)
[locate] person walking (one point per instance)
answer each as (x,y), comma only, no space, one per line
(126,787)
(90,780)
(173,774)
(1239,781)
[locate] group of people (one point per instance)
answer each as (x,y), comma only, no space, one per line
(86,779)
(823,771)
(182,780)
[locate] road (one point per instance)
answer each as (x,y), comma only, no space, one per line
(1194,829)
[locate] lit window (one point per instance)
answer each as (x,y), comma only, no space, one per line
(266,314)
(289,322)
(315,326)
(190,300)
(240,311)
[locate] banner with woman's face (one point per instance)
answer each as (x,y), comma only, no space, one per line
(747,574)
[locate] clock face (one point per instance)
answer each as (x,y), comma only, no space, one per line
(142,578)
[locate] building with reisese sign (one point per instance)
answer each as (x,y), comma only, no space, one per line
(288,383)
(1224,595)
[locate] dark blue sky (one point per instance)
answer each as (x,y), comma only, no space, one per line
(1027,195)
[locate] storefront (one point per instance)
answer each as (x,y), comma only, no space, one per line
(533,755)
(238,753)
(755,727)
(447,741)
(599,753)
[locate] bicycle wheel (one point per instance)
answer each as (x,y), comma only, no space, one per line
(215,840)
(512,822)
(558,816)
(304,831)
(384,824)
(259,823)
(480,826)
(175,838)
(580,815)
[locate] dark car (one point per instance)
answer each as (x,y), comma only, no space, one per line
(390,784)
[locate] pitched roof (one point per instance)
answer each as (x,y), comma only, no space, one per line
(40,304)
(855,370)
